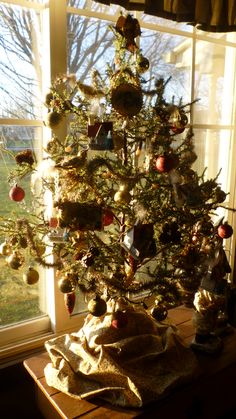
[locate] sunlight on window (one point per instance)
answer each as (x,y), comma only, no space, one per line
(214,82)
(163,51)
(213,150)
(20,57)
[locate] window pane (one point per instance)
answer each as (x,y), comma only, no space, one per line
(214,83)
(18,301)
(90,45)
(213,150)
(169,56)
(230,37)
(80,304)
(20,62)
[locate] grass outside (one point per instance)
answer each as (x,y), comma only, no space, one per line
(18,301)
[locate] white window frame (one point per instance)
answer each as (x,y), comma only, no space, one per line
(19,340)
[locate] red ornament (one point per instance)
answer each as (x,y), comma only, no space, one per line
(166,163)
(16,193)
(69,300)
(107,217)
(177,130)
(120,319)
(53,222)
(225,230)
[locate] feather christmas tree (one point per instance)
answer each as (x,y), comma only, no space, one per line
(130,225)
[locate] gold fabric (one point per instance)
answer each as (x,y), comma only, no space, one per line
(208,15)
(130,366)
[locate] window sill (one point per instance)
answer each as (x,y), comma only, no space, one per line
(19,349)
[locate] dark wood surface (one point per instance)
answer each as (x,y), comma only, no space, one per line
(209,396)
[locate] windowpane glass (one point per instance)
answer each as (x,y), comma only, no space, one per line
(18,301)
(213,150)
(169,56)
(20,62)
(230,36)
(90,45)
(214,83)
(80,304)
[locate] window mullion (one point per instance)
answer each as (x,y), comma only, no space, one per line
(56,64)
(24,3)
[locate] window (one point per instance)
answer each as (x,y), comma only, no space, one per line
(22,311)
(42,39)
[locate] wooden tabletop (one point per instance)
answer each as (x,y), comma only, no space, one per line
(65,406)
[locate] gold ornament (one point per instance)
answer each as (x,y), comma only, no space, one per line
(123,195)
(142,64)
(68,149)
(106,175)
(5,249)
(67,283)
(97,306)
(15,260)
(52,146)
(41,249)
(31,276)
(138,152)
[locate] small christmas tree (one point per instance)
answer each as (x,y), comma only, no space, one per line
(130,221)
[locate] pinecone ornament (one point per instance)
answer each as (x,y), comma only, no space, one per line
(69,300)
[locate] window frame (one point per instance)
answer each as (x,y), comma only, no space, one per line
(54,13)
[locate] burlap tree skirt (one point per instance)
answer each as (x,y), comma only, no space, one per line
(130,366)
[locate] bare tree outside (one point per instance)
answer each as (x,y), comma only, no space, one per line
(89,45)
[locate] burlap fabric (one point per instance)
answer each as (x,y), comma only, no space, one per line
(130,366)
